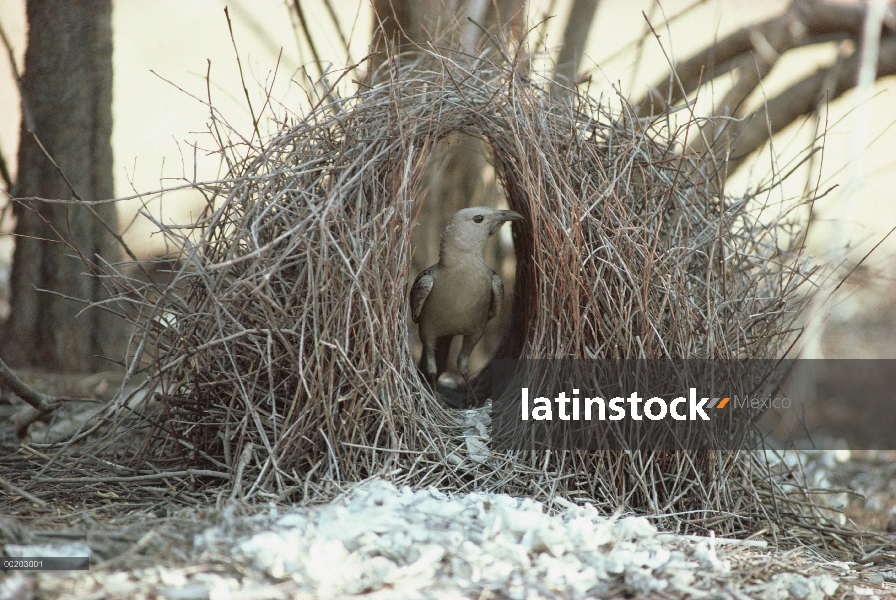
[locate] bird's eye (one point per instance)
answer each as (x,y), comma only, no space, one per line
(477,219)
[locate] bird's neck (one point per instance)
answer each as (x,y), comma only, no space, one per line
(454,255)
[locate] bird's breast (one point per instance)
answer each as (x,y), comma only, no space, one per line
(459,301)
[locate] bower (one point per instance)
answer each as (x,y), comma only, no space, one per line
(282,348)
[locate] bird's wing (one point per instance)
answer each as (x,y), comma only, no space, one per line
(497,296)
(420,290)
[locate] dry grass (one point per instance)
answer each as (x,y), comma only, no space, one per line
(280,351)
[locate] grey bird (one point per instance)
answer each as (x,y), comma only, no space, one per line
(459,294)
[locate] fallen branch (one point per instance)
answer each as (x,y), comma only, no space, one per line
(42,404)
(16,490)
(133,478)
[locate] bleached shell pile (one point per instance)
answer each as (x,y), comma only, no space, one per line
(403,544)
(382,542)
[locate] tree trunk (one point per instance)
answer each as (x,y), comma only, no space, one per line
(578,26)
(67,97)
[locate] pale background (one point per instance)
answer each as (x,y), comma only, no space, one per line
(155,124)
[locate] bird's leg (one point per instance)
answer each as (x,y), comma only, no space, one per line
(463,362)
(443,348)
(427,364)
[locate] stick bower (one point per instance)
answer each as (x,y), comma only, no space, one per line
(281,350)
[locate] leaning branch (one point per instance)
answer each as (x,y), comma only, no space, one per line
(801,99)
(578,26)
(804,22)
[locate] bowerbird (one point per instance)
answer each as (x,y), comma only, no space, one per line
(459,294)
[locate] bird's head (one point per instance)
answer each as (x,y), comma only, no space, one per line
(469,228)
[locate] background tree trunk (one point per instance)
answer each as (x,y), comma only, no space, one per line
(67,97)
(575,35)
(455,176)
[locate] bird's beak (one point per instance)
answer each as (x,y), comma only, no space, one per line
(501,216)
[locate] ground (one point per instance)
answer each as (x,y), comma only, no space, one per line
(376,541)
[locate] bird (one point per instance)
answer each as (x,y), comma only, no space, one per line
(459,294)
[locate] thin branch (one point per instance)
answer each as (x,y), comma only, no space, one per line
(14,489)
(134,478)
(112,231)
(26,113)
(239,65)
(42,404)
(40,401)
(304,23)
(5,175)
(752,68)
(336,24)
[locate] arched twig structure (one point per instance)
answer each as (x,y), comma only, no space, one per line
(282,348)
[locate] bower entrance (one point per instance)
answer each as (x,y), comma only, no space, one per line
(460,173)
(281,354)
